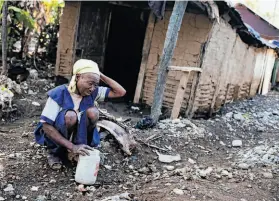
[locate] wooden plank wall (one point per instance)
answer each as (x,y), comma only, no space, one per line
(67,37)
(92,31)
(228,69)
(192,36)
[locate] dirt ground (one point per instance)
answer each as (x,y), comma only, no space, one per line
(211,166)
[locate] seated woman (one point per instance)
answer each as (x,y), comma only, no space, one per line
(69,118)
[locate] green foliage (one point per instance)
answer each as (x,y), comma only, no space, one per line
(23,17)
(40,18)
(52,8)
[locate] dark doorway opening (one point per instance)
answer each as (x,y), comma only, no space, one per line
(124,46)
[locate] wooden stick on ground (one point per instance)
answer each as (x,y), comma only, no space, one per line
(150,145)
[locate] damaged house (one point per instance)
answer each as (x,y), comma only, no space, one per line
(216,60)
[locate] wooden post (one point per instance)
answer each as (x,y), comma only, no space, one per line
(180,95)
(145,52)
(169,46)
(4,37)
(186,72)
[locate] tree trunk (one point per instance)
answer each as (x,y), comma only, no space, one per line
(169,46)
(4,37)
(26,42)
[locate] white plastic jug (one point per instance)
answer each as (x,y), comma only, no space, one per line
(87,168)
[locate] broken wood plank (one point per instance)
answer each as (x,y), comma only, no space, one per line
(145,53)
(151,145)
(186,68)
(180,95)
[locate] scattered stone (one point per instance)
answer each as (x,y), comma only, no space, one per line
(261,129)
(225,173)
(120,197)
(2,199)
(168,158)
(222,143)
(237,143)
(180,125)
(178,191)
(169,167)
(251,176)
(34,188)
(143,170)
(276,112)
(176,121)
(191,161)
(108,167)
(24,197)
(206,172)
(41,198)
(268,175)
(238,117)
(91,188)
(131,167)
(229,115)
(135,108)
(33,74)
(243,166)
(153,168)
(36,104)
(52,181)
(9,188)
(30,92)
(24,134)
(117,161)
(17,196)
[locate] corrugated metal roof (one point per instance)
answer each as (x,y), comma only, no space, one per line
(244,30)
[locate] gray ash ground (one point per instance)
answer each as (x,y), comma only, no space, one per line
(212,166)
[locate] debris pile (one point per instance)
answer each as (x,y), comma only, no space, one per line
(263,155)
(180,127)
(258,117)
(9,84)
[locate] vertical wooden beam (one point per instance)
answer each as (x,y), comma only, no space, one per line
(227,93)
(105,39)
(65,54)
(4,37)
(180,95)
(236,92)
(275,72)
(76,32)
(145,53)
(263,72)
(192,94)
(169,46)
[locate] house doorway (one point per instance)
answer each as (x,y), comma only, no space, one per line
(124,46)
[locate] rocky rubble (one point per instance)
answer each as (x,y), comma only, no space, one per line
(254,114)
(262,155)
(19,98)
(181,127)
